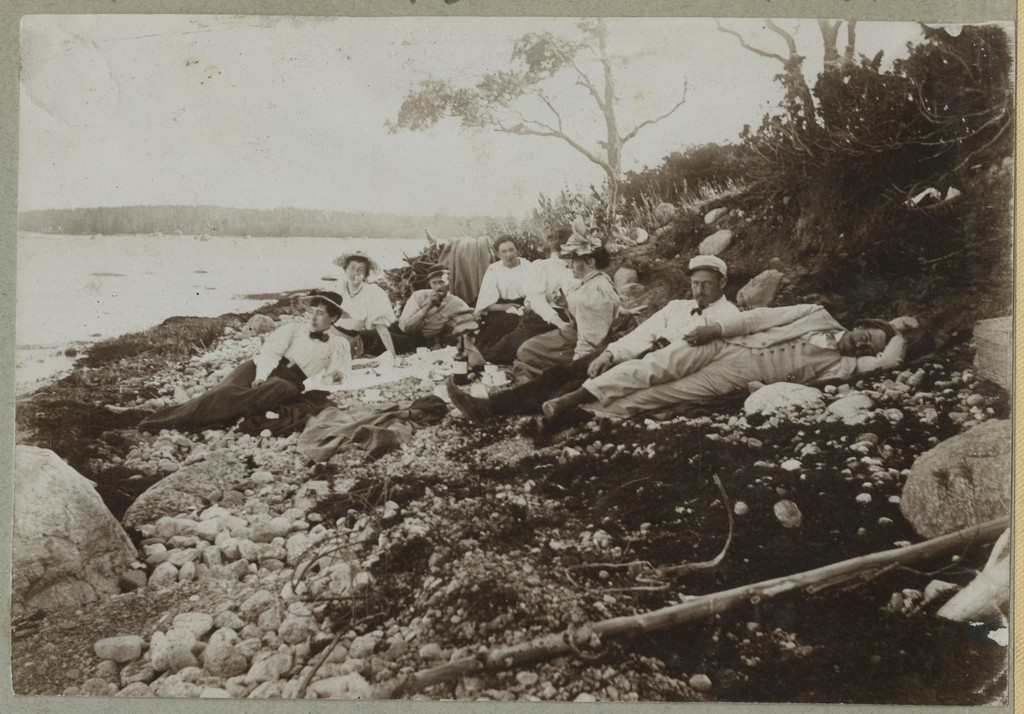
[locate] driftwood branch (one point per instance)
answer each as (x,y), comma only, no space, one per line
(698,608)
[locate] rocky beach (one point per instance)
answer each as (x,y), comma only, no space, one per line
(252,573)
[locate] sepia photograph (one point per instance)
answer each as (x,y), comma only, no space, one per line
(513,358)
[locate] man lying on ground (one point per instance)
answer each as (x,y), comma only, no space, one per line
(669,325)
(275,376)
(799,343)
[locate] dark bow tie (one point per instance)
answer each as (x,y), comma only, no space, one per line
(322,336)
(697,311)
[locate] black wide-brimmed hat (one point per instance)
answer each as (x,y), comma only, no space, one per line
(326,297)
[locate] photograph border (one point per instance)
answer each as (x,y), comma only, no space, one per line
(10,15)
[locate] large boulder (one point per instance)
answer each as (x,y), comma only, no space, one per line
(716,243)
(962,481)
(783,395)
(68,549)
(193,486)
(993,342)
(760,291)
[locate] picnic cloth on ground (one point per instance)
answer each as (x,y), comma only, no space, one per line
(290,417)
(376,430)
(467,259)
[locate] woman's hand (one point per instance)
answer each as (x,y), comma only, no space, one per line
(601,364)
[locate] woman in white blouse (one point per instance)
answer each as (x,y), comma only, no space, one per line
(367,312)
(592,304)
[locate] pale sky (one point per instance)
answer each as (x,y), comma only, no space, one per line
(264,112)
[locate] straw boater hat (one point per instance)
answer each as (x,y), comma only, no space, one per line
(324,297)
(344,259)
(462,322)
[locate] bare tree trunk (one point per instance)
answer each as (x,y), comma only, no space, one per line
(698,608)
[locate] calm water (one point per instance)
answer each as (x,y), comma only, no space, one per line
(81,288)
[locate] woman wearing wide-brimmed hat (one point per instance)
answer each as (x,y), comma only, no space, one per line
(367,313)
(275,376)
(592,305)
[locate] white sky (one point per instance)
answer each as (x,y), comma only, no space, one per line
(271,111)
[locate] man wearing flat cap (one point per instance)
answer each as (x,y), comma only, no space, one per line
(429,314)
(275,376)
(668,325)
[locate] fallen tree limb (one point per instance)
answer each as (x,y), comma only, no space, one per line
(698,608)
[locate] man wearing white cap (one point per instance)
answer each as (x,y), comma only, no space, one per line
(289,355)
(667,326)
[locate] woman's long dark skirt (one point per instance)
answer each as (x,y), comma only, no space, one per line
(234,397)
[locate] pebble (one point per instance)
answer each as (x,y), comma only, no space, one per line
(164,575)
(863,498)
(269,669)
(788,513)
(195,624)
(790,465)
(136,689)
(256,603)
(740,508)
(119,649)
(224,660)
(700,682)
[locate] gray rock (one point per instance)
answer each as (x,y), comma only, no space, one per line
(269,668)
(224,660)
(348,686)
(174,687)
(132,580)
(267,690)
(187,572)
(256,603)
(138,672)
(258,325)
(712,216)
(136,689)
(196,624)
(155,553)
(295,546)
(294,629)
(226,618)
(716,243)
(851,409)
(119,649)
(67,549)
(788,513)
(700,682)
(108,670)
(190,487)
(178,557)
(664,212)
(781,395)
(163,575)
(962,481)
(761,291)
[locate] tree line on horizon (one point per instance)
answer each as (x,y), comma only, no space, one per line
(218,220)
